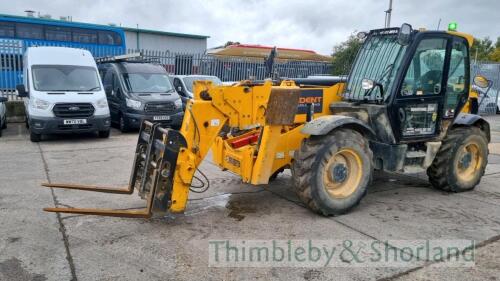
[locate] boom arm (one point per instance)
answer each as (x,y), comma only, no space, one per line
(166,160)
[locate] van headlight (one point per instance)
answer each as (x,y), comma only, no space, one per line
(39,104)
(178,103)
(102,103)
(135,104)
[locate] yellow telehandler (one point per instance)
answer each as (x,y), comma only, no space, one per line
(406,107)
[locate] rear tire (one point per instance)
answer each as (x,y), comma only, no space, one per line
(35,137)
(331,173)
(461,161)
(104,134)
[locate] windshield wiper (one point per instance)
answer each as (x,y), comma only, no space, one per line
(93,89)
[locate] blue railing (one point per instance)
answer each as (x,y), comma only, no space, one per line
(12,50)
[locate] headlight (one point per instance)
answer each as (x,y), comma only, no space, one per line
(178,103)
(133,103)
(39,104)
(102,103)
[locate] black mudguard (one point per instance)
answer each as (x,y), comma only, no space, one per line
(466,119)
(325,124)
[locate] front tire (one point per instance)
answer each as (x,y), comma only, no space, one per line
(104,134)
(331,173)
(35,137)
(461,161)
(124,127)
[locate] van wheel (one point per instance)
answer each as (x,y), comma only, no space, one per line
(104,134)
(124,127)
(35,137)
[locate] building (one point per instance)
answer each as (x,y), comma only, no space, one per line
(260,52)
(137,38)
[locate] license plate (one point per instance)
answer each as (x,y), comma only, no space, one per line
(75,121)
(160,118)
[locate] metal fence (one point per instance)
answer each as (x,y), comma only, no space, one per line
(226,68)
(11,65)
(232,68)
(488,98)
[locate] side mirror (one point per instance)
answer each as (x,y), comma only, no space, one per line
(3,99)
(118,92)
(21,91)
(481,82)
(367,84)
(107,89)
(404,34)
(362,35)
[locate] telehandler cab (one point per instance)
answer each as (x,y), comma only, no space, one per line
(405,107)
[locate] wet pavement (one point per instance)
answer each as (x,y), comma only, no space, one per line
(35,245)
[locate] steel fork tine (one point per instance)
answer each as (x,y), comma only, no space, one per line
(104,189)
(141,213)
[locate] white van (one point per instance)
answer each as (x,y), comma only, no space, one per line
(63,93)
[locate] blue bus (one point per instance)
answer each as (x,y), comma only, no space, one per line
(17,33)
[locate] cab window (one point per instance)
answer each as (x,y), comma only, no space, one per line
(457,77)
(425,73)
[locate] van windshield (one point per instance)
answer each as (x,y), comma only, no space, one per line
(147,83)
(65,78)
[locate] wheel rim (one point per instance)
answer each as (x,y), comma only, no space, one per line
(343,173)
(468,162)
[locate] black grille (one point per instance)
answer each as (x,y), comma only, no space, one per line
(72,127)
(165,107)
(73,110)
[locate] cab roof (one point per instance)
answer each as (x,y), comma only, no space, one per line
(394,30)
(139,67)
(59,56)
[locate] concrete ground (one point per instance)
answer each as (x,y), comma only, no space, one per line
(35,245)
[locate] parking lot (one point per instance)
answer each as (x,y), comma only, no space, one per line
(35,245)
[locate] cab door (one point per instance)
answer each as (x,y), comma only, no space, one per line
(419,101)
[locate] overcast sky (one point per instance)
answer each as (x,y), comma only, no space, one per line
(309,24)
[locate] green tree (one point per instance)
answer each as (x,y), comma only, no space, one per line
(344,54)
(482,48)
(495,54)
